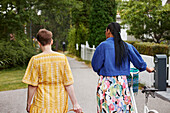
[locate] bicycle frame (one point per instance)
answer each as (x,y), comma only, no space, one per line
(147,93)
(133,99)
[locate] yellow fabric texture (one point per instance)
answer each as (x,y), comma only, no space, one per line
(50,72)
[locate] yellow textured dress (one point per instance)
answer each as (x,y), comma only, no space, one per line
(50,72)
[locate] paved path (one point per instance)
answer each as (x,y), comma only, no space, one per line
(85,88)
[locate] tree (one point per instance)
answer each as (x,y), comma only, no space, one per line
(79,31)
(58,18)
(102,13)
(15,15)
(148,20)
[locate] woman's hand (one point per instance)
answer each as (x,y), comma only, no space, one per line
(150,69)
(77,108)
(28,107)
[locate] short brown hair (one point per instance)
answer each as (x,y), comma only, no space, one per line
(44,36)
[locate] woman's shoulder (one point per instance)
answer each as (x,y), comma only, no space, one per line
(103,44)
(130,46)
(45,55)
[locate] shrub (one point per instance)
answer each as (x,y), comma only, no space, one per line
(72,40)
(16,53)
(151,49)
(77,36)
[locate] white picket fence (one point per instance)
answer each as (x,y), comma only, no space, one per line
(144,77)
(87,52)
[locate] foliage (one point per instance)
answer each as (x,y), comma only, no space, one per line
(15,53)
(14,16)
(148,20)
(79,31)
(21,16)
(102,13)
(148,48)
(89,20)
(79,37)
(57,19)
(71,40)
(151,48)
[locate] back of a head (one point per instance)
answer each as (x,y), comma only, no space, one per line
(44,36)
(120,49)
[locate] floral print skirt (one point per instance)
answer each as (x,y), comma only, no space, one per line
(113,95)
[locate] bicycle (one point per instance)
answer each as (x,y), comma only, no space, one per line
(147,91)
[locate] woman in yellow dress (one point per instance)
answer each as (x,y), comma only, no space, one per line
(49,80)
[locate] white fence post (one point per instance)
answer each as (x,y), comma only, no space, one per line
(169,73)
(87,52)
(82,51)
(90,52)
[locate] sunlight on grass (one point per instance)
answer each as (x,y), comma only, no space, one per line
(10,79)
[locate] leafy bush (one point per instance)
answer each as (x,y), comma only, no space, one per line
(15,53)
(151,49)
(71,41)
(148,48)
(78,36)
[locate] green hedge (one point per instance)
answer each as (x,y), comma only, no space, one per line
(151,49)
(15,53)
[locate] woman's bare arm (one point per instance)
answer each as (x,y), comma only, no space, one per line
(76,106)
(31,91)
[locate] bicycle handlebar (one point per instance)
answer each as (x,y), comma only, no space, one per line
(149,91)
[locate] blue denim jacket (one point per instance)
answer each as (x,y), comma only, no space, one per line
(103,61)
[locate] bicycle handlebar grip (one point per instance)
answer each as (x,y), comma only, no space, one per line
(143,89)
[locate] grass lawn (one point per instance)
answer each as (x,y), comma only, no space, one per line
(10,79)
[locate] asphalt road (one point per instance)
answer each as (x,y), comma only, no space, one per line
(14,101)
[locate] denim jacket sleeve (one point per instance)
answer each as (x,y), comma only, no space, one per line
(98,59)
(136,58)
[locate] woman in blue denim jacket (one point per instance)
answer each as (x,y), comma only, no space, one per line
(111,61)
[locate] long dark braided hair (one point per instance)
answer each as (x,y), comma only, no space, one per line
(120,45)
